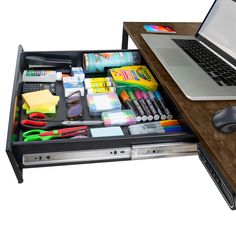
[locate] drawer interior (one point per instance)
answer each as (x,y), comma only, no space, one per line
(56,145)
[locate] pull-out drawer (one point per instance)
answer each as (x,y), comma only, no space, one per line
(73,151)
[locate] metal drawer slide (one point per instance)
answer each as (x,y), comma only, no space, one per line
(136,152)
(163,150)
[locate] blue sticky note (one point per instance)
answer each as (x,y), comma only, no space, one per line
(106,132)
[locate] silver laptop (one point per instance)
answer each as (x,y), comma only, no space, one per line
(204,65)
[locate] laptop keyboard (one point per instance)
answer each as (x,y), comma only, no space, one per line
(217,69)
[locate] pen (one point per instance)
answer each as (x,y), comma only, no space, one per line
(125,98)
(150,106)
(155,104)
(161,101)
(83,122)
(137,105)
(143,105)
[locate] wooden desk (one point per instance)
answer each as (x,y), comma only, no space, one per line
(198,114)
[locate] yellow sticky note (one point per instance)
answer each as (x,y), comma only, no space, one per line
(40,98)
(44,109)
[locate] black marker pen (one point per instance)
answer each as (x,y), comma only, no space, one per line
(156,105)
(165,108)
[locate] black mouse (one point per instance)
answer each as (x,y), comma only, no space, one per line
(225,119)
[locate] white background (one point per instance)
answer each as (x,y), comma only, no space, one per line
(154,197)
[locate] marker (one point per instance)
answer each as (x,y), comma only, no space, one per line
(137,106)
(155,104)
(143,105)
(150,106)
(161,101)
(125,98)
(156,127)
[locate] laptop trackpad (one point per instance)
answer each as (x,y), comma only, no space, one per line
(173,57)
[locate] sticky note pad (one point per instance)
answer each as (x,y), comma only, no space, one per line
(42,109)
(106,132)
(40,98)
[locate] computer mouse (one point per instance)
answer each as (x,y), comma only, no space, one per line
(225,119)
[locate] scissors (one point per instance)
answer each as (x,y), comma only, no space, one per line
(38,120)
(42,135)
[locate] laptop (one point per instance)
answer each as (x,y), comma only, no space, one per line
(204,65)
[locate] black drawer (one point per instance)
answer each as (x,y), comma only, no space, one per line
(73,151)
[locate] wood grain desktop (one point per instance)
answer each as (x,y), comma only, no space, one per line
(197,114)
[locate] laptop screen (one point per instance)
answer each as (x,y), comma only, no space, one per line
(218,30)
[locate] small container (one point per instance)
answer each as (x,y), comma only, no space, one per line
(98,85)
(39,76)
(78,72)
(71,85)
(98,62)
(98,103)
(120,118)
(101,90)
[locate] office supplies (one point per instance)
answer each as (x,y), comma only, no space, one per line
(138,76)
(126,100)
(82,122)
(41,121)
(137,105)
(39,99)
(225,119)
(71,85)
(89,81)
(98,62)
(149,104)
(159,98)
(163,29)
(106,132)
(101,90)
(156,105)
(97,103)
(203,66)
(40,61)
(78,72)
(32,87)
(49,109)
(156,127)
(143,105)
(98,84)
(42,135)
(120,118)
(40,76)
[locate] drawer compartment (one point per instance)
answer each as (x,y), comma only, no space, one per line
(73,151)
